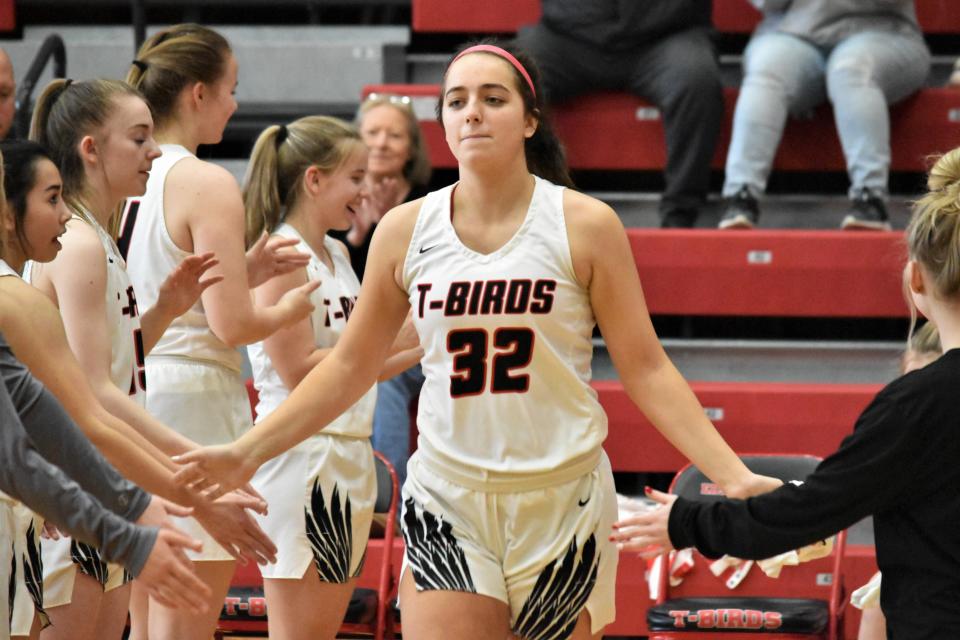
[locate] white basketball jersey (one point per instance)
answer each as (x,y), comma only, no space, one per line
(152,255)
(7,270)
(507,338)
(123,317)
(333,302)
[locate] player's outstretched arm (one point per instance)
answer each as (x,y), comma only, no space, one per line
(603,262)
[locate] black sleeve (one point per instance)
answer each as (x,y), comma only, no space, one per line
(26,476)
(60,441)
(872,469)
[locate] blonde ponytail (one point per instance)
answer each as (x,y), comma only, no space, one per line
(174,58)
(262,201)
(67,111)
(279,160)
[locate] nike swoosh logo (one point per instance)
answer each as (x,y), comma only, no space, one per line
(583,503)
(425,249)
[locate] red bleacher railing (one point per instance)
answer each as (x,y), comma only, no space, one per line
(729,16)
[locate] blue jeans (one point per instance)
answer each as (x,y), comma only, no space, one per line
(391,417)
(861,76)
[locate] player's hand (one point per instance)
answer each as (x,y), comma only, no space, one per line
(183,287)
(273,256)
(218,461)
(158,513)
(168,574)
(228,521)
(50,531)
(296,304)
(646,533)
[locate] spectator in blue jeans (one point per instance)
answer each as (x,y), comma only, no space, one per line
(660,50)
(862,56)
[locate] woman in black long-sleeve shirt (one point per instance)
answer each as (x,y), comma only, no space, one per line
(901,463)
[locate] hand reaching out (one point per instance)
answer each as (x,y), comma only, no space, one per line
(273,256)
(227,520)
(183,286)
(218,461)
(168,574)
(646,533)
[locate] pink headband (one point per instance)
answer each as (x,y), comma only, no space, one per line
(503,53)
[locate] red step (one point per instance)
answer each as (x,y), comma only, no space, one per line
(770,272)
(729,16)
(594,126)
(756,417)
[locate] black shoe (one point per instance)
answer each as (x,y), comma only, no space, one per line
(740,211)
(679,219)
(867,211)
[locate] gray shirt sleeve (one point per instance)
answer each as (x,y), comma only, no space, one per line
(26,476)
(60,441)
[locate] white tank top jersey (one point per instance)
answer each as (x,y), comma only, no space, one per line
(152,255)
(7,270)
(123,317)
(507,338)
(333,302)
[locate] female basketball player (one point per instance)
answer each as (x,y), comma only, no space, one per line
(188,75)
(509,498)
(900,463)
(305,179)
(100,133)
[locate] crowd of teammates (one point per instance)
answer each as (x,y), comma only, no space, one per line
(494,285)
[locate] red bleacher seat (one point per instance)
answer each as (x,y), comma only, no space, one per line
(593,128)
(803,273)
(729,16)
(751,416)
(8,16)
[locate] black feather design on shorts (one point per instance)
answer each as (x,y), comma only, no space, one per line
(33,571)
(433,553)
(561,591)
(12,586)
(89,562)
(330,533)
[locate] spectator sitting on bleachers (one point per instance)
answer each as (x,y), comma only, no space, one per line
(661,51)
(861,55)
(8,89)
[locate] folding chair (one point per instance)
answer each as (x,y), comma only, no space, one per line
(244,610)
(806,601)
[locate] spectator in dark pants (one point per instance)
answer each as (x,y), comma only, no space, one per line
(661,51)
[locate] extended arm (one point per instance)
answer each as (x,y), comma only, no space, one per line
(27,476)
(604,263)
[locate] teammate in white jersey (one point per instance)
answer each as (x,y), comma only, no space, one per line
(305,179)
(509,500)
(101,133)
(188,74)
(34,217)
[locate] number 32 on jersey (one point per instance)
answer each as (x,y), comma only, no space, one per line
(504,353)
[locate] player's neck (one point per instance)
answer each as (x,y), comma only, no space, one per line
(310,229)
(180,133)
(495,193)
(946,316)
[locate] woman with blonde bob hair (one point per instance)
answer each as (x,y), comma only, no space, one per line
(899,464)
